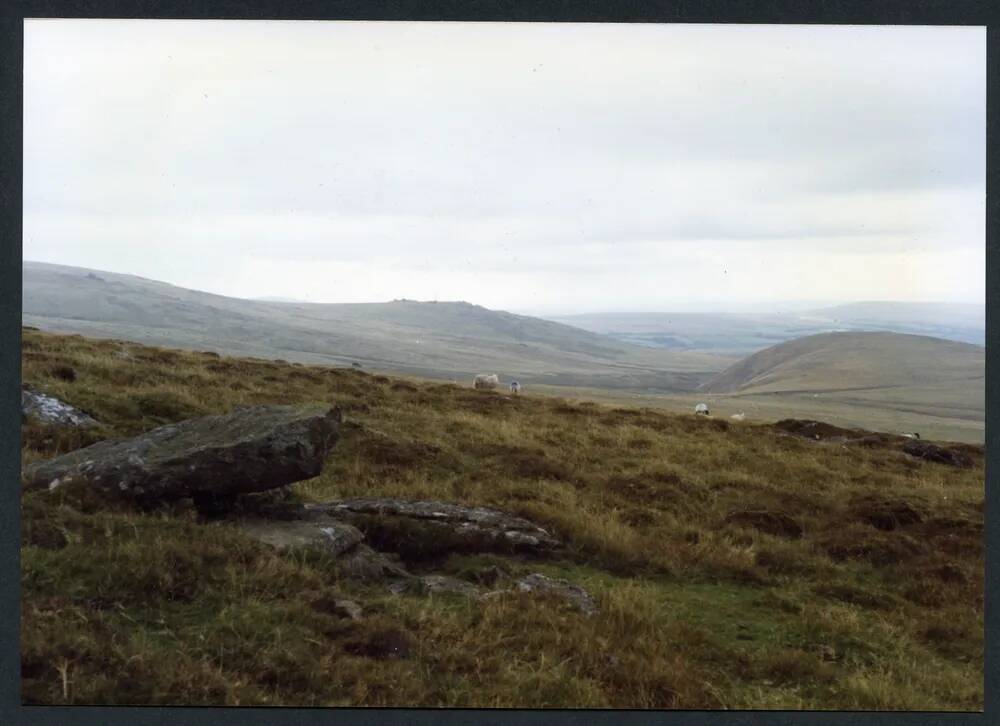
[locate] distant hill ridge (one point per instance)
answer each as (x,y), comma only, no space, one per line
(747,332)
(937,313)
(442,339)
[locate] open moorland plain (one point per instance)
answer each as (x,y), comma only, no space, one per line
(689,562)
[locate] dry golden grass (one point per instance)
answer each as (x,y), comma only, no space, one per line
(696,612)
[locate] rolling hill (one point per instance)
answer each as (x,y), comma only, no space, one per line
(883,381)
(434,339)
(853,361)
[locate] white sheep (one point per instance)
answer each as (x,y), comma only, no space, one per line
(738,416)
(515,387)
(486,381)
(701,409)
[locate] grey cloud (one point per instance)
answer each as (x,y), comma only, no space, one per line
(510,146)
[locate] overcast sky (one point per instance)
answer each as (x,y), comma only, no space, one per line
(537,168)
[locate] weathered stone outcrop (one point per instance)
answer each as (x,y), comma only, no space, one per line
(251,449)
(46,409)
(302,528)
(419,528)
(319,526)
(323,533)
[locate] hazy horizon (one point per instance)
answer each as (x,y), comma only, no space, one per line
(547,169)
(677,307)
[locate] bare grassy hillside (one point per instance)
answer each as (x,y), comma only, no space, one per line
(855,361)
(860,607)
(444,340)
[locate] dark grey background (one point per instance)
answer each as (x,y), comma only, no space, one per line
(961,12)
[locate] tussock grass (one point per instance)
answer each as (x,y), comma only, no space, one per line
(877,605)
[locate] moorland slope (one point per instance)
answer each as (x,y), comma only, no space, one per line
(733,565)
(854,361)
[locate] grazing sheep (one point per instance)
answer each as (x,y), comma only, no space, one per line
(515,387)
(738,416)
(701,409)
(914,435)
(486,381)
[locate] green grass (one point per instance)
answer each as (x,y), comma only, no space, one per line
(158,608)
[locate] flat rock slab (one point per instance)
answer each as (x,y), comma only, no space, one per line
(329,535)
(439,526)
(251,449)
(937,454)
(314,530)
(46,409)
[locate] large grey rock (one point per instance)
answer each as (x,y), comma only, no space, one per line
(47,409)
(251,449)
(304,527)
(438,527)
(323,533)
(301,528)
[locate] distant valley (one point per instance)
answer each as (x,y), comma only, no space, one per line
(767,366)
(737,333)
